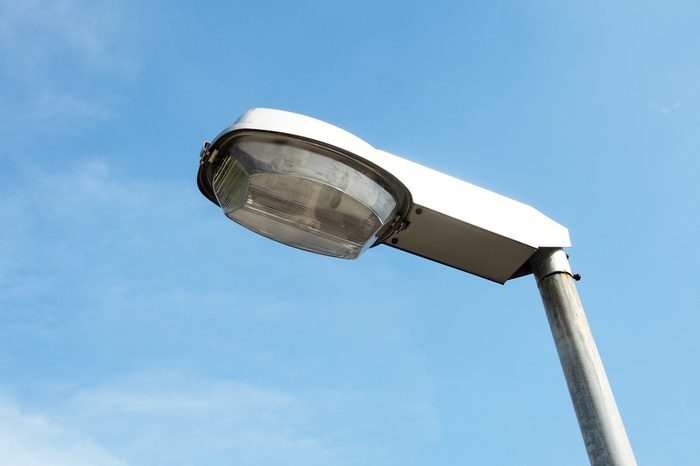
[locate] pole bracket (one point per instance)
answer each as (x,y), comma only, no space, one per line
(548,261)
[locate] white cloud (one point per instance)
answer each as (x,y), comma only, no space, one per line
(161,420)
(71,227)
(36,440)
(81,27)
(165,419)
(85,187)
(53,52)
(666,109)
(73,236)
(66,200)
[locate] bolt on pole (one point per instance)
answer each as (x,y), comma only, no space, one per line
(598,417)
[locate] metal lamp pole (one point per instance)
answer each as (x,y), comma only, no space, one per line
(598,417)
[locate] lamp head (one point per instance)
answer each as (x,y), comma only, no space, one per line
(316,187)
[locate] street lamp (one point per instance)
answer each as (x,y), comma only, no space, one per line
(311,185)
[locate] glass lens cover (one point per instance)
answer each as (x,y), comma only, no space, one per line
(301,194)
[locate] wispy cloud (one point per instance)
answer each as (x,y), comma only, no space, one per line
(30,439)
(164,420)
(87,270)
(206,422)
(86,31)
(666,109)
(82,216)
(78,194)
(52,55)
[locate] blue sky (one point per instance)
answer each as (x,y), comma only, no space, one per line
(138,326)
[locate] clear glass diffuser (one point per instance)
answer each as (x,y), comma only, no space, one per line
(301,194)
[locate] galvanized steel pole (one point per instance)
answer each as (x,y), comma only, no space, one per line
(598,417)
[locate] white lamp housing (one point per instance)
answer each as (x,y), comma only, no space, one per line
(314,186)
